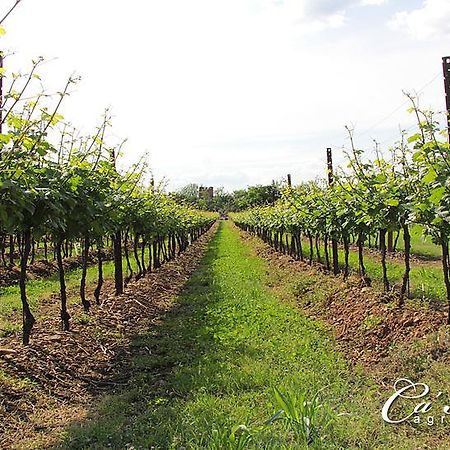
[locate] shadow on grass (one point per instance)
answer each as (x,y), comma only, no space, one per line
(162,375)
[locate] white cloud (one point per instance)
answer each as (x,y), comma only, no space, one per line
(332,21)
(432,20)
(373,2)
(322,9)
(307,16)
(225,93)
(314,16)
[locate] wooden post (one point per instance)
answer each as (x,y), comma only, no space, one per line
(334,244)
(289,180)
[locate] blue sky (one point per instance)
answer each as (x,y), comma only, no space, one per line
(237,92)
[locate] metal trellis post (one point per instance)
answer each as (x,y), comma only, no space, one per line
(334,244)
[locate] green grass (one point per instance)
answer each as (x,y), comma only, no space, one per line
(207,377)
(420,245)
(416,360)
(426,279)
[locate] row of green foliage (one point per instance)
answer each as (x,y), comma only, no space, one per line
(390,193)
(57,184)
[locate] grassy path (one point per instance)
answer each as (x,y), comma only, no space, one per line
(215,361)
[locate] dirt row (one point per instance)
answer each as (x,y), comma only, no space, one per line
(49,384)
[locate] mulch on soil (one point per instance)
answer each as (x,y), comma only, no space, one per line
(51,382)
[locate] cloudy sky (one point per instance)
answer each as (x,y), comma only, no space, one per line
(237,92)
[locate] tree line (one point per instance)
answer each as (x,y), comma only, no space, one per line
(237,200)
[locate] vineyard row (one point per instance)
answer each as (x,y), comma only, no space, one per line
(410,185)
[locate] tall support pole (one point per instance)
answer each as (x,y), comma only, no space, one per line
(152,185)
(446,68)
(334,244)
(289,180)
(1,97)
(1,65)
(273,192)
(117,243)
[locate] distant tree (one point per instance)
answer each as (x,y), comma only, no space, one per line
(189,192)
(222,201)
(256,196)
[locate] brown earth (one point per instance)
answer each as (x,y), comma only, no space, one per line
(50,384)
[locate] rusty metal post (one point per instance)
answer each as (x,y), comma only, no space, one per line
(289,180)
(334,244)
(273,192)
(152,185)
(330,167)
(446,69)
(1,96)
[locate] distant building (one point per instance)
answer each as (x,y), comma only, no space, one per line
(206,193)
